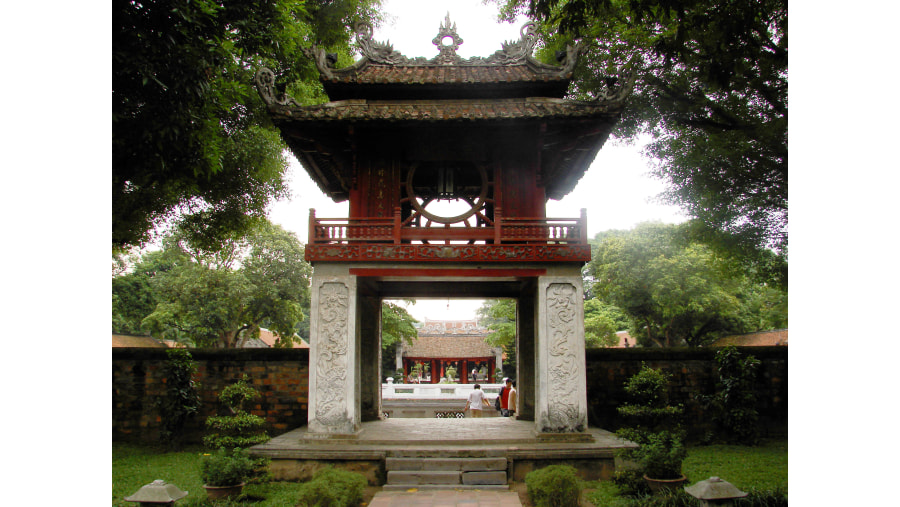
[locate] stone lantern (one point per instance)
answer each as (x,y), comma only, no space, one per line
(715,491)
(157,493)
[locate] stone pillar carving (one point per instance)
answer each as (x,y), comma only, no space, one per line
(561,397)
(333,357)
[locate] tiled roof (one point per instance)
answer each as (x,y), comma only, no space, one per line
(268,338)
(431,110)
(452,327)
(760,339)
(449,346)
(441,74)
(124,340)
(625,340)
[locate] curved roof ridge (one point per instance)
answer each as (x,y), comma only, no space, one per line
(511,53)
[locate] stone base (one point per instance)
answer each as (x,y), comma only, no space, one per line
(563,437)
(328,437)
(472,445)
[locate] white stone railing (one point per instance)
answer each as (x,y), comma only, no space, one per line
(435,391)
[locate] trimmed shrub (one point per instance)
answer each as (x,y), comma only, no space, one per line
(553,486)
(240,428)
(332,487)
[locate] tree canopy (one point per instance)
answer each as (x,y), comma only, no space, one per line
(189,132)
(499,315)
(220,298)
(397,325)
(601,323)
(711,92)
(676,291)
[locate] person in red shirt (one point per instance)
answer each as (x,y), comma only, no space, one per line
(504,398)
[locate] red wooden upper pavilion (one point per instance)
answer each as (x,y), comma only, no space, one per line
(399,134)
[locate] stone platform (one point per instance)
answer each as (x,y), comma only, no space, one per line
(297,455)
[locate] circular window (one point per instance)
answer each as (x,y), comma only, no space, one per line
(468,184)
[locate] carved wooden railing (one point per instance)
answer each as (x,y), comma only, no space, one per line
(552,231)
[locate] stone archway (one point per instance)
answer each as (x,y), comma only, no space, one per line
(345,345)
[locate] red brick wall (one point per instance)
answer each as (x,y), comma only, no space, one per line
(280,375)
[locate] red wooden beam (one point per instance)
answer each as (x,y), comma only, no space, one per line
(436,272)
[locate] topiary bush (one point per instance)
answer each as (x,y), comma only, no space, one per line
(332,487)
(654,425)
(240,429)
(553,486)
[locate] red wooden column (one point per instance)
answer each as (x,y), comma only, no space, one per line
(464,375)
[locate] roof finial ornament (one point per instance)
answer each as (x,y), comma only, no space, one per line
(447,41)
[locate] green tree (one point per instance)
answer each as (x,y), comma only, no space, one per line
(499,315)
(397,327)
(710,90)
(132,296)
(679,292)
(601,322)
(189,131)
(222,297)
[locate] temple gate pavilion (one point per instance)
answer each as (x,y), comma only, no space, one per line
(494,135)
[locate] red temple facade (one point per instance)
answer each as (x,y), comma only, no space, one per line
(456,350)
(494,135)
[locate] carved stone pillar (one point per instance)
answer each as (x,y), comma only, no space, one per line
(561,393)
(333,356)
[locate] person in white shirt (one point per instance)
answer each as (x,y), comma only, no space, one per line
(476,401)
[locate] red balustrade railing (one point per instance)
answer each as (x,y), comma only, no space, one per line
(503,231)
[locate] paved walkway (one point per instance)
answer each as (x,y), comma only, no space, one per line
(446,498)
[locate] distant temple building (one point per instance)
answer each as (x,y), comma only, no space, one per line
(455,350)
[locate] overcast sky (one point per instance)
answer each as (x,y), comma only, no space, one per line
(615,190)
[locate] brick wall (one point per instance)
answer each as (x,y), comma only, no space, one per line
(282,376)
(693,372)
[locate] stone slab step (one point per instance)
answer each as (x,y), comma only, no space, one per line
(415,478)
(484,478)
(447,464)
(437,487)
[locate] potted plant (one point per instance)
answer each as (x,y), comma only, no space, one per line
(654,425)
(660,457)
(223,473)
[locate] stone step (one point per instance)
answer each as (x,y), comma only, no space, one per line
(438,487)
(484,478)
(447,464)
(416,478)
(442,451)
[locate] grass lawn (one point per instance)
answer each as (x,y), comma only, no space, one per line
(134,466)
(761,468)
(749,468)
